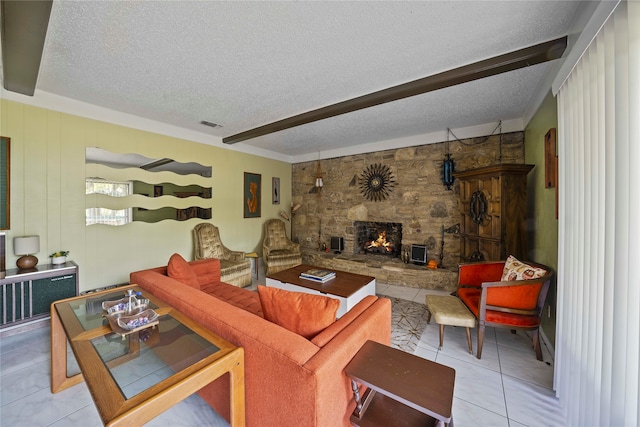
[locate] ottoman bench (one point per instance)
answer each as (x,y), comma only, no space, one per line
(449,310)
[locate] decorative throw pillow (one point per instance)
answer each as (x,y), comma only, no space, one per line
(179,269)
(518,270)
(305,314)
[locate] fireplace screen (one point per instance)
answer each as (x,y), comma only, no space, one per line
(378,238)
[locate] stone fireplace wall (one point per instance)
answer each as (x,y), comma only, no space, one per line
(418,200)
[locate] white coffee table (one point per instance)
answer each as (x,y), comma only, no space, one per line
(348,288)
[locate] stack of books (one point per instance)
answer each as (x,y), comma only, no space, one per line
(318,275)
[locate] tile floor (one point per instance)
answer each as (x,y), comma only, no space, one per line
(507,387)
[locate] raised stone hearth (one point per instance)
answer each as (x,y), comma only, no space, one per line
(386,270)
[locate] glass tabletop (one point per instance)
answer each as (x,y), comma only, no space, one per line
(144,358)
(128,371)
(89,310)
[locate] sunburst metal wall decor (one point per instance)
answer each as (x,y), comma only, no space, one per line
(376,182)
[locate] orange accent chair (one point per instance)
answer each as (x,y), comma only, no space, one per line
(516,305)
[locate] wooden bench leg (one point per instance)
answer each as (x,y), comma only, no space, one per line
(441,336)
(469,341)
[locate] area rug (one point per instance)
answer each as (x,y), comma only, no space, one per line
(408,320)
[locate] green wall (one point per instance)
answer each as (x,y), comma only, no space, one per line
(47,193)
(542,224)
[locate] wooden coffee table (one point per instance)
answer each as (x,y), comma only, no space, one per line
(136,377)
(348,288)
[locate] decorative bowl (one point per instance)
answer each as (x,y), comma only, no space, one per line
(122,305)
(136,321)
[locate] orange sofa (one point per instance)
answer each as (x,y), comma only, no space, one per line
(289,380)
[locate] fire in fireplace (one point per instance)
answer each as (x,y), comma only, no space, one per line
(378,238)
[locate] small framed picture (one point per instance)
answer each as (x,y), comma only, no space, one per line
(252,194)
(275,195)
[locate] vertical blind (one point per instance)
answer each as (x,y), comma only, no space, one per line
(597,376)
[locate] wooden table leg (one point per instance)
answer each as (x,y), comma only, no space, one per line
(237,392)
(59,378)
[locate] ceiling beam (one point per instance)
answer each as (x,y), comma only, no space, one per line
(489,67)
(24,28)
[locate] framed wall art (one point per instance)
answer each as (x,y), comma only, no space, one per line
(275,193)
(252,195)
(5,178)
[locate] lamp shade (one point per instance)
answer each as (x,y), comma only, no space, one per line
(27,245)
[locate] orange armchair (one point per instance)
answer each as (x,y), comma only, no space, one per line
(512,304)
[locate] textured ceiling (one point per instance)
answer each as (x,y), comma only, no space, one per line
(246,64)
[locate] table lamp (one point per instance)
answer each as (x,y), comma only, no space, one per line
(26,246)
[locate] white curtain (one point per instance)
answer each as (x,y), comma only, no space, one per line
(598,324)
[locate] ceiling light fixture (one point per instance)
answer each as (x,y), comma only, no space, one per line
(319,182)
(526,57)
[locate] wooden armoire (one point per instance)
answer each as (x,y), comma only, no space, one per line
(493,208)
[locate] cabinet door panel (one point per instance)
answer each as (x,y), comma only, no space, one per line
(14,302)
(46,291)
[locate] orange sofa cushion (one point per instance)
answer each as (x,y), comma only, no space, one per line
(305,314)
(179,269)
(239,297)
(207,270)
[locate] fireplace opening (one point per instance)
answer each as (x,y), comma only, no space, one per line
(378,238)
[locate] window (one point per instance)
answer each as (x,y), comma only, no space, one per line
(113,189)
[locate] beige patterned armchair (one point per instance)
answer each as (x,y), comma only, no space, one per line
(278,251)
(235,269)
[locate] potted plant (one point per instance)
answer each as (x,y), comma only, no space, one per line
(59,257)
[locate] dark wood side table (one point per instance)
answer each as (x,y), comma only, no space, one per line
(403,389)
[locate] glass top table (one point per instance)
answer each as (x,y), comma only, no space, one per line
(135,377)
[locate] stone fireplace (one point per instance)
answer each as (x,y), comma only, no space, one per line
(378,238)
(418,201)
